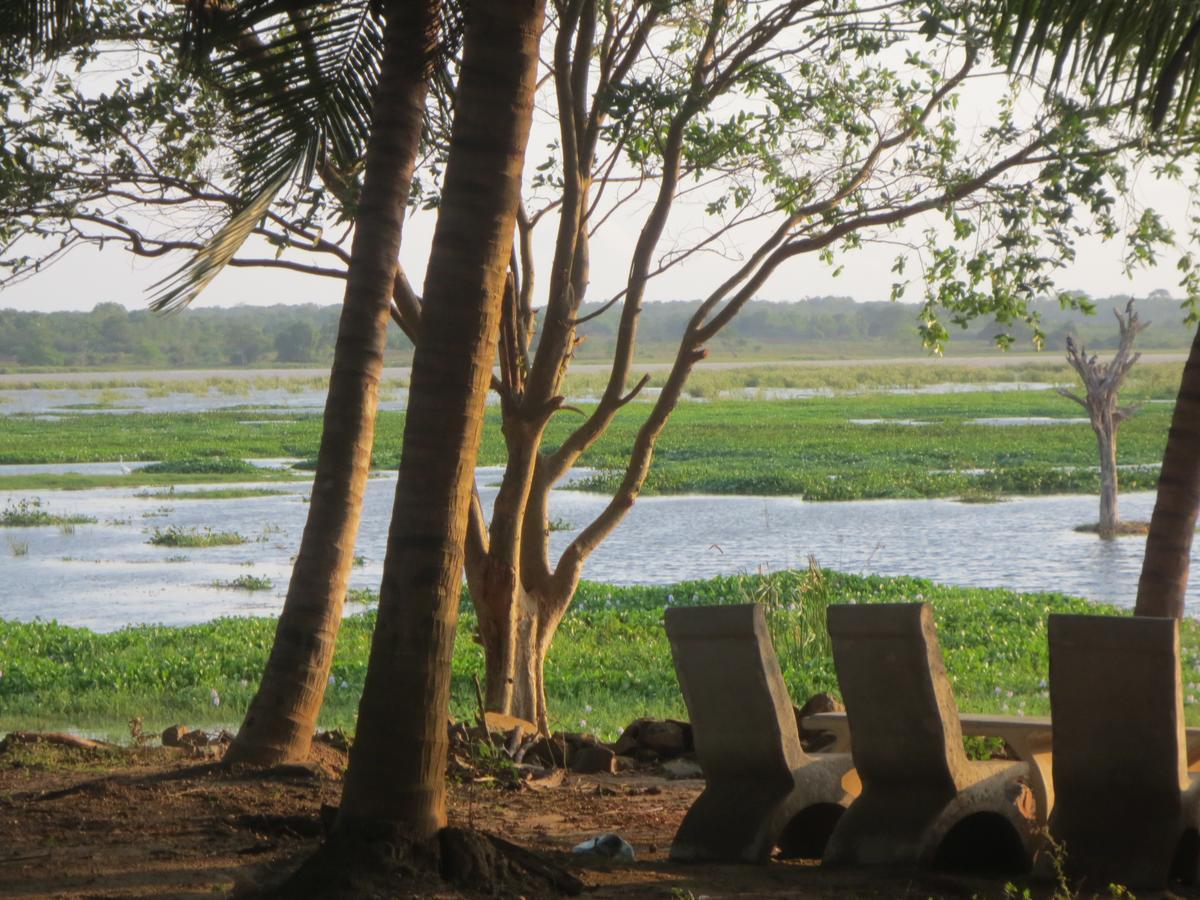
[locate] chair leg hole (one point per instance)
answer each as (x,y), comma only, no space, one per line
(983,842)
(807,834)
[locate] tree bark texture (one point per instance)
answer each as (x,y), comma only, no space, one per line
(1162,589)
(1106,442)
(1102,385)
(398,761)
(279,723)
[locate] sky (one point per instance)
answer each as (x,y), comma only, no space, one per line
(88,276)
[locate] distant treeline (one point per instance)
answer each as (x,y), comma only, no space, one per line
(112,336)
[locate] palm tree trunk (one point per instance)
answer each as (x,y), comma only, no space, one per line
(279,723)
(398,761)
(1162,588)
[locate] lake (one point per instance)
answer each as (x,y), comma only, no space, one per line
(105,575)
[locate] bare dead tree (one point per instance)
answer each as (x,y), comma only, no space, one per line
(1102,384)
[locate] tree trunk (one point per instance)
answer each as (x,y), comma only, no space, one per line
(1162,588)
(1106,441)
(494,576)
(521,625)
(398,761)
(535,629)
(279,723)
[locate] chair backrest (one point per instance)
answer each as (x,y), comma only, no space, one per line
(742,719)
(1117,706)
(904,726)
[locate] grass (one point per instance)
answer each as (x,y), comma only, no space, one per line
(230,493)
(1148,380)
(176,536)
(209,466)
(806,447)
(1125,528)
(29,512)
(73,481)
(246,583)
(609,664)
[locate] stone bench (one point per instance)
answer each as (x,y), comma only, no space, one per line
(922,801)
(762,790)
(1029,737)
(1127,809)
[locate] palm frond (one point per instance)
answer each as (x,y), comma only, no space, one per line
(1144,51)
(37,27)
(179,288)
(299,77)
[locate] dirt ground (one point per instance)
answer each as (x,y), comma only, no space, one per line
(168,823)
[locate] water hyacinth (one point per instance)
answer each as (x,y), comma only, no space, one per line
(610,665)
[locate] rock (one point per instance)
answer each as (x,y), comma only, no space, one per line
(627,763)
(823,702)
(682,768)
(591,759)
(645,755)
(173,736)
(628,742)
(194,740)
(668,738)
(577,739)
(548,752)
(820,703)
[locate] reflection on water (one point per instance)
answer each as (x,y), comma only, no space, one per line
(105,575)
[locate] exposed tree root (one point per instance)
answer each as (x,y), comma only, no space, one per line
(378,862)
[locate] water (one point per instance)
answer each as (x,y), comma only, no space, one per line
(303,398)
(51,403)
(106,575)
(981,387)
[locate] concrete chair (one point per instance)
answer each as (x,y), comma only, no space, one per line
(923,802)
(762,789)
(1127,810)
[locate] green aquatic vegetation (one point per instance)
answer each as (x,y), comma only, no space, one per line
(246,583)
(230,493)
(73,481)
(30,512)
(215,466)
(1149,379)
(609,664)
(18,548)
(799,447)
(176,536)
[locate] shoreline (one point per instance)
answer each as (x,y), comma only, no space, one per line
(974,361)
